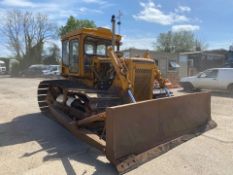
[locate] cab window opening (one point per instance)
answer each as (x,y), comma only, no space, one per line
(95,46)
(65,53)
(74,55)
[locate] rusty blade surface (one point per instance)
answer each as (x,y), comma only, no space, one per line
(136,128)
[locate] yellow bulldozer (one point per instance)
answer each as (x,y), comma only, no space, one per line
(110,101)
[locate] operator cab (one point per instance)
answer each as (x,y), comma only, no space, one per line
(81,47)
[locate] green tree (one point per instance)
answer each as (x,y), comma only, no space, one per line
(183,41)
(73,24)
(164,42)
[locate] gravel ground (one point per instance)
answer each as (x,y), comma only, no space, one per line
(32,144)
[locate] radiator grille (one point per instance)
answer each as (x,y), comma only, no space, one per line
(142,84)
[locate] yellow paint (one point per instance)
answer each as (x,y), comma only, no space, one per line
(125,68)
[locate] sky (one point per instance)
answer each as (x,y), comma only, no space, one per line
(142,20)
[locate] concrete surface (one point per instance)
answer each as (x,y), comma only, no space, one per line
(32,144)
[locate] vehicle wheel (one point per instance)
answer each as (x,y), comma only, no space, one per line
(188,86)
(230,89)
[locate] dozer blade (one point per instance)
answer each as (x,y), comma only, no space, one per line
(138,132)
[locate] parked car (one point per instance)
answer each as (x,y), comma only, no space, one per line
(2,67)
(36,70)
(215,79)
(52,70)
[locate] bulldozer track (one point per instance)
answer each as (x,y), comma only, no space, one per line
(45,98)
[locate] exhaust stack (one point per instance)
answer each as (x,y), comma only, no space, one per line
(113,20)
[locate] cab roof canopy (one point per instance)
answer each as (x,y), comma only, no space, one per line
(96,32)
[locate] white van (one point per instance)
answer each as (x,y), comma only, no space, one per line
(216,79)
(2,67)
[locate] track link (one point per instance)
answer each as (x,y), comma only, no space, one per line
(42,95)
